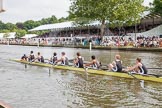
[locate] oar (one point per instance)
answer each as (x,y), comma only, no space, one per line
(155,75)
(25,66)
(154,68)
(129,73)
(28,63)
(86,68)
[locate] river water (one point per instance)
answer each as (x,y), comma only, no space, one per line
(39,87)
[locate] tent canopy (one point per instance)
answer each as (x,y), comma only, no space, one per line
(1,35)
(157,31)
(54,26)
(11,35)
(62,25)
(27,36)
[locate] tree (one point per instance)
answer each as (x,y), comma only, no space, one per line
(1,25)
(30,24)
(20,33)
(20,25)
(157,6)
(10,26)
(117,12)
(53,19)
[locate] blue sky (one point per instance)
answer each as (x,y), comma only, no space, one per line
(22,10)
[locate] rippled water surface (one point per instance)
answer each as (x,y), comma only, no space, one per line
(38,87)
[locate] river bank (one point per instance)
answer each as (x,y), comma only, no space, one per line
(121,48)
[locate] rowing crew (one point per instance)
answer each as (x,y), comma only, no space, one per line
(139,67)
(39,58)
(115,66)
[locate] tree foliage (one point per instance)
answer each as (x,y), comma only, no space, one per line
(21,28)
(117,12)
(20,33)
(157,6)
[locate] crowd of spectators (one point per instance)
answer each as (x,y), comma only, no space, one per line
(113,37)
(113,41)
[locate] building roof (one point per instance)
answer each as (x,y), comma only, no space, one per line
(152,15)
(69,24)
(54,26)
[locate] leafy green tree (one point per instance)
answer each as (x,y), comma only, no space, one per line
(1,25)
(53,19)
(20,25)
(20,33)
(157,6)
(30,24)
(10,26)
(4,31)
(117,12)
(62,19)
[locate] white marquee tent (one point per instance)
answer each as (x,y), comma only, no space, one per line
(27,36)
(10,35)
(1,35)
(157,31)
(62,25)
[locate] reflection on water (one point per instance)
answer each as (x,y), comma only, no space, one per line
(38,87)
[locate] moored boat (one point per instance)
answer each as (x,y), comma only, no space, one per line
(93,71)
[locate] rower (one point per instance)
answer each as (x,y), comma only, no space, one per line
(95,64)
(139,67)
(39,58)
(31,56)
(24,57)
(116,66)
(78,61)
(64,60)
(54,58)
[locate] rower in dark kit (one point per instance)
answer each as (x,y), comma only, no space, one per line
(24,57)
(39,58)
(31,56)
(116,66)
(78,61)
(95,64)
(64,60)
(54,58)
(139,67)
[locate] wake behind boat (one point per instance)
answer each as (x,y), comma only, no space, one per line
(93,71)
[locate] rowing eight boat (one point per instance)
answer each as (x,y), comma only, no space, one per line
(93,71)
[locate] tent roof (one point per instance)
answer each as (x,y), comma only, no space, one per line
(54,26)
(29,36)
(151,15)
(11,35)
(1,35)
(61,25)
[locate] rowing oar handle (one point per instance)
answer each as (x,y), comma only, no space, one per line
(154,68)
